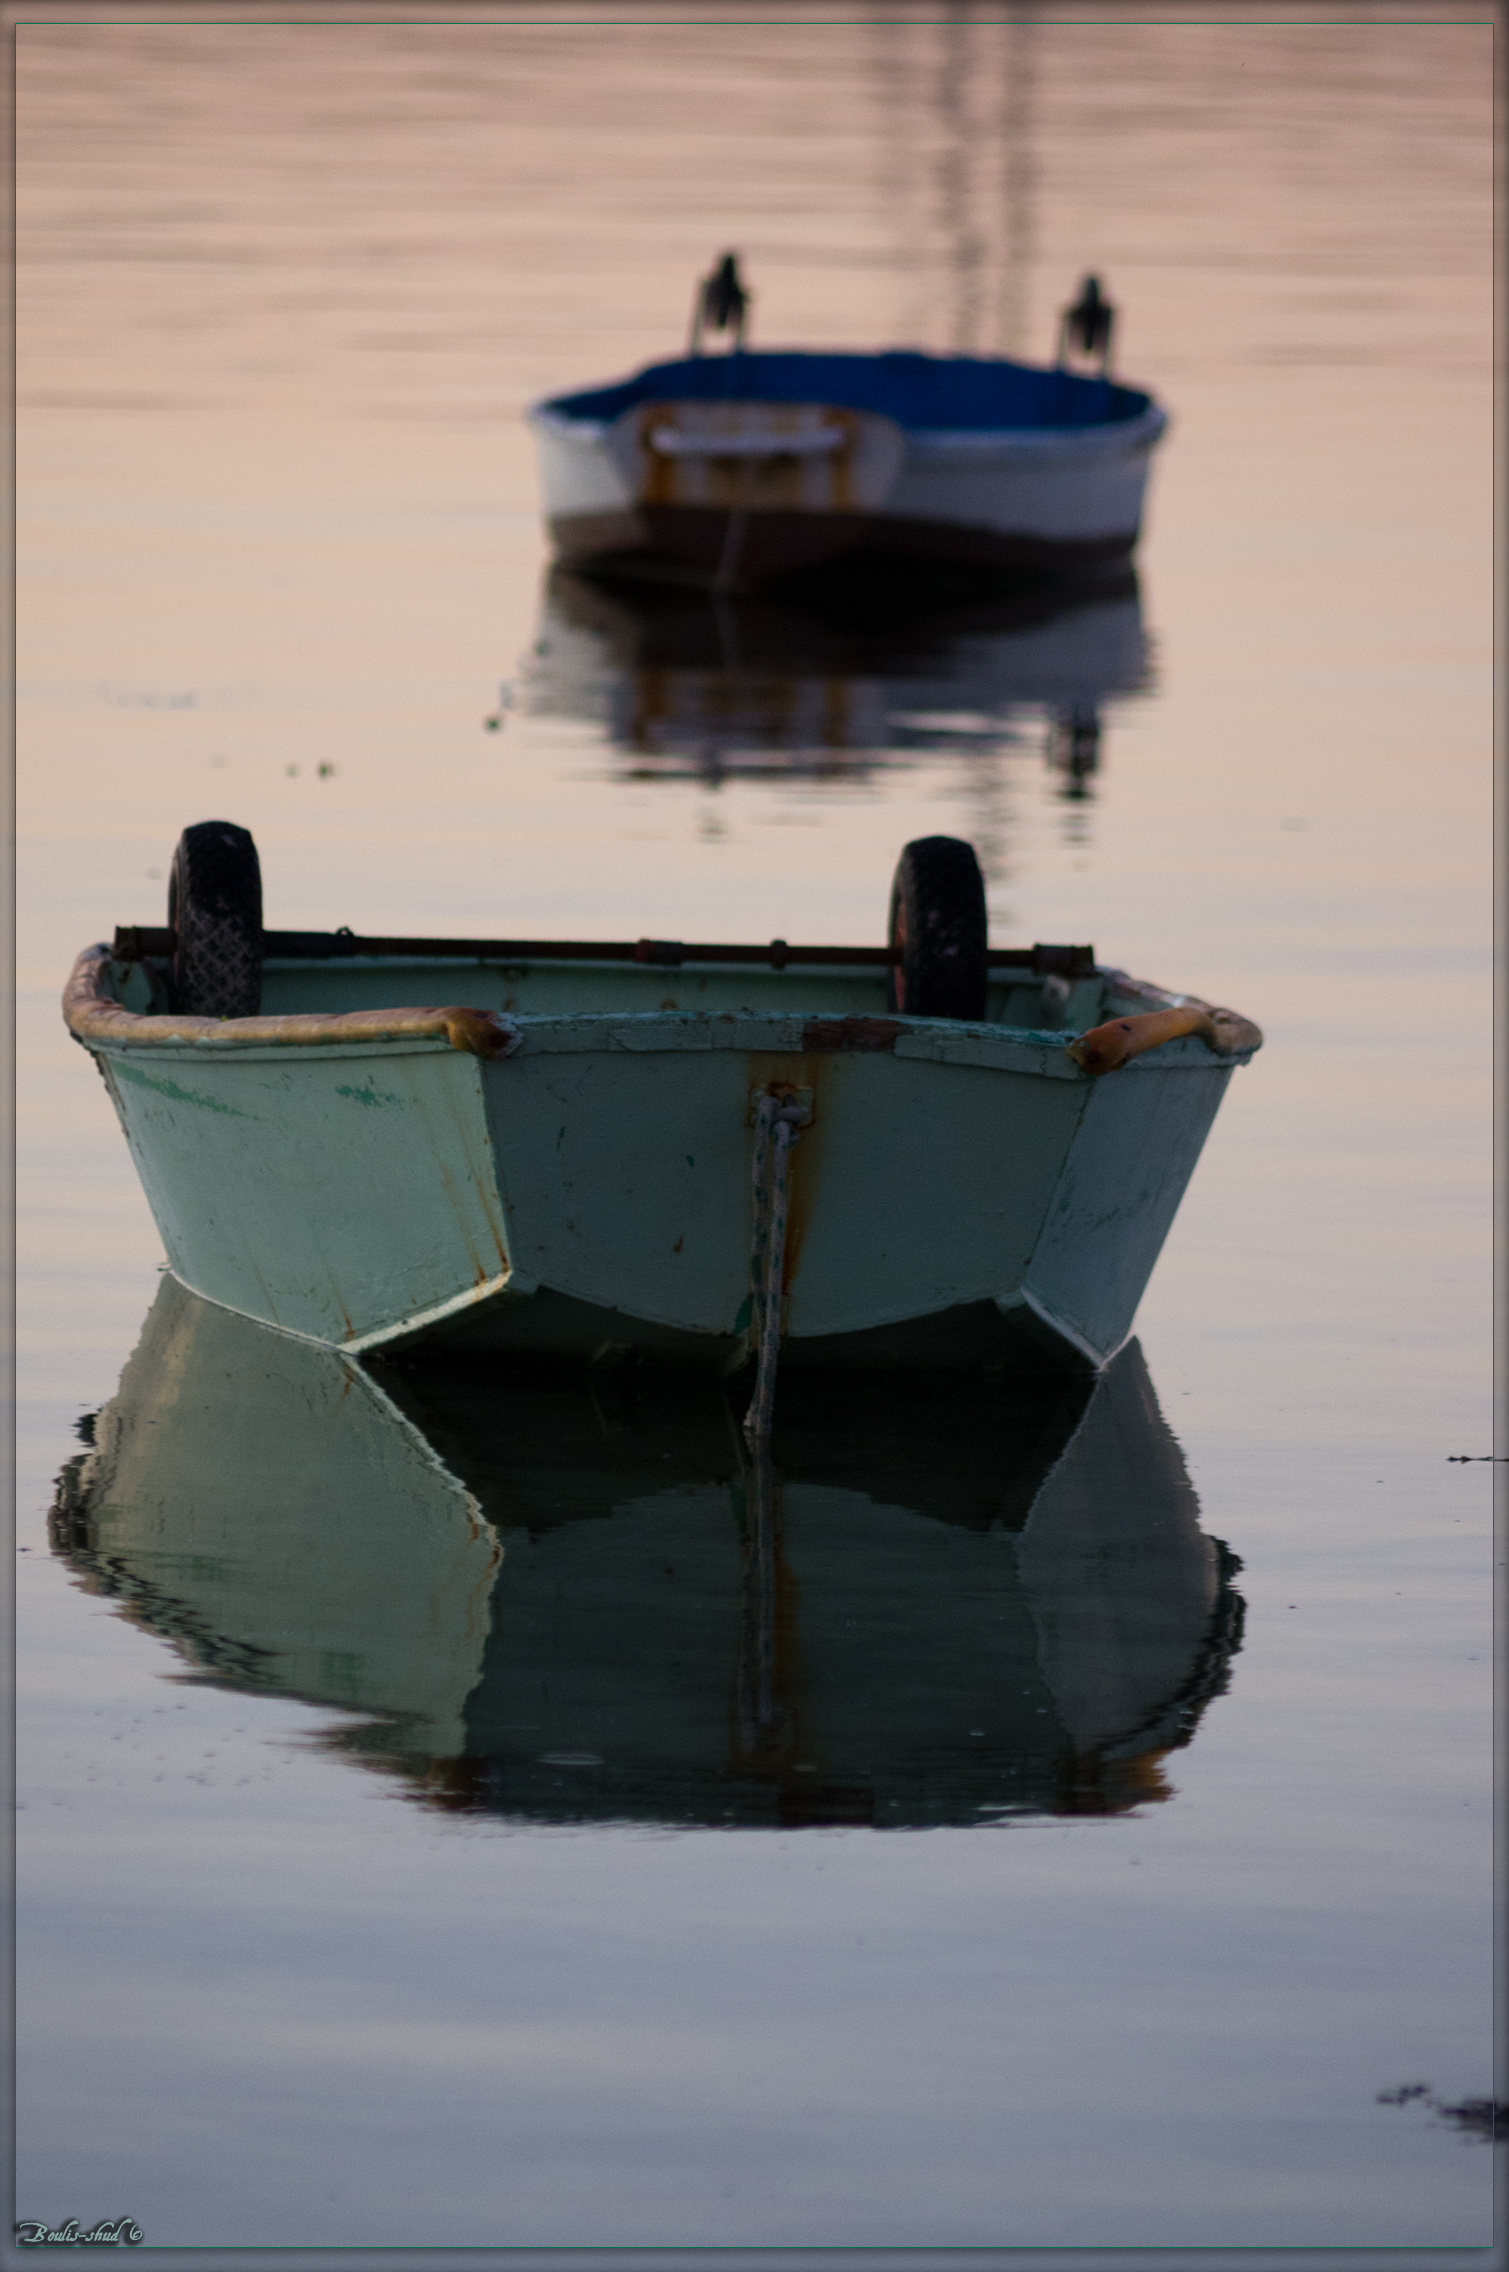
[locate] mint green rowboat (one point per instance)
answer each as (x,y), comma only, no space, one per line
(561,1157)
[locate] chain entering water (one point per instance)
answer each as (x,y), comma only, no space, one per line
(776,1122)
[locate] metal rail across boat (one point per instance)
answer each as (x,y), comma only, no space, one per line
(140,942)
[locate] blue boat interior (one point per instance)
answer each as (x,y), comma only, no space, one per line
(947,393)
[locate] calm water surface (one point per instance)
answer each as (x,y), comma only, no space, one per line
(405,1856)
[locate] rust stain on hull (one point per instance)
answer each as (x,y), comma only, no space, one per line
(784,1077)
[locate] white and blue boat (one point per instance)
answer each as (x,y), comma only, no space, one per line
(741,468)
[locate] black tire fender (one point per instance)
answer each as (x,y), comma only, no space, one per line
(215,915)
(938,931)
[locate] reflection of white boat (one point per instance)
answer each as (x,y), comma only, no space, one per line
(545,1604)
(749,466)
(685,683)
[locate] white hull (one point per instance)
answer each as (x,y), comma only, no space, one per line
(1072,497)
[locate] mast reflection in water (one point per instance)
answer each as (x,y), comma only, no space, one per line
(570,1598)
(839,679)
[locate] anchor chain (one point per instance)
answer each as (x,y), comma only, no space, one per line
(776,1122)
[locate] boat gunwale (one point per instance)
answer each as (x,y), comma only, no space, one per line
(98,1021)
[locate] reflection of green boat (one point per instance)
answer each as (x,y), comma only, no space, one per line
(257,1501)
(554,1601)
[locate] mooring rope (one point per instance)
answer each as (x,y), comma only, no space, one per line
(775,1132)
